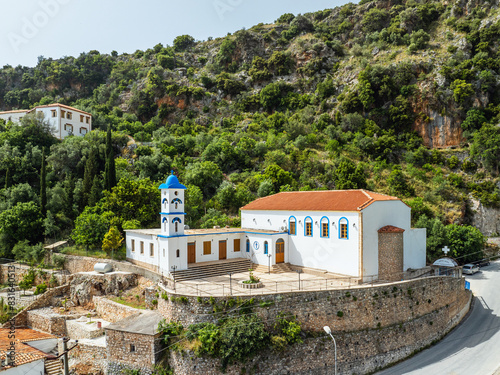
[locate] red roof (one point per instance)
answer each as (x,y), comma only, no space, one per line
(23,352)
(390,229)
(323,200)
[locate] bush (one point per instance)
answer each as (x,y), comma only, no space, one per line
(40,289)
(58,261)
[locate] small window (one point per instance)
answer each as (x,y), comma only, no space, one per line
(176,226)
(132,348)
(292,226)
(142,247)
(325,226)
(207,247)
(236,245)
(68,128)
(308,228)
(266,247)
(88,120)
(63,113)
(163,253)
(54,113)
(344,228)
(81,118)
(178,253)
(248,246)
(133,246)
(83,131)
(151,250)
(69,115)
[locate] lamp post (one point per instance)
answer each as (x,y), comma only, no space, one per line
(230,283)
(329,332)
(269,263)
(173,276)
(299,272)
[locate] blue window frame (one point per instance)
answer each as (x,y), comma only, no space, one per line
(343,228)
(176,220)
(266,247)
(176,200)
(292,226)
(164,220)
(308,226)
(248,246)
(325,227)
(164,200)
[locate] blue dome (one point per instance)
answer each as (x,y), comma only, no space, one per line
(172,183)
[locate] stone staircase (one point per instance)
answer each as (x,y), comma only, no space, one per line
(210,269)
(277,268)
(53,367)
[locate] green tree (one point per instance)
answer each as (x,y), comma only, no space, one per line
(466,242)
(206,175)
(486,147)
(461,90)
(182,42)
(398,183)
(91,170)
(349,175)
(112,241)
(43,187)
(91,227)
(110,168)
(21,222)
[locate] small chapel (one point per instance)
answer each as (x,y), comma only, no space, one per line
(353,233)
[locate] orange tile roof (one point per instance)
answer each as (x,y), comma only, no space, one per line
(24,352)
(390,229)
(14,111)
(323,200)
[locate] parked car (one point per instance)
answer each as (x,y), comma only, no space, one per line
(483,262)
(470,269)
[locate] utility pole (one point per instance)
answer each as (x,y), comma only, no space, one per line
(65,356)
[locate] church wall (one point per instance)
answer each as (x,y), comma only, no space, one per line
(144,259)
(329,253)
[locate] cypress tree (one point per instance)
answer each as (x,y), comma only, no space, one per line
(88,176)
(109,169)
(69,190)
(7,178)
(43,186)
(95,192)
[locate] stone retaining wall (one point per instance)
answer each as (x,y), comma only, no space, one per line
(21,270)
(365,307)
(358,352)
(112,311)
(87,358)
(46,320)
(374,326)
(43,301)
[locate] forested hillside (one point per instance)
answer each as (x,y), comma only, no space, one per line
(399,97)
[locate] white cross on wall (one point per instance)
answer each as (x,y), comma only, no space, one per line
(446,250)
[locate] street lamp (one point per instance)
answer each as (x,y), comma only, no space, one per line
(299,271)
(269,263)
(173,276)
(230,283)
(329,332)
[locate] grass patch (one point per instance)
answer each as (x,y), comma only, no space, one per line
(127,300)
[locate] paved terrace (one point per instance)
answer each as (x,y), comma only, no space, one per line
(273,283)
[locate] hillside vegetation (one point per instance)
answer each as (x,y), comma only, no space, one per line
(360,96)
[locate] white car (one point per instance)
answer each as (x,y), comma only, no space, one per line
(470,269)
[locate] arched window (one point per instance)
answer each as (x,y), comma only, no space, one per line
(176,202)
(176,222)
(325,227)
(165,224)
(292,225)
(344,228)
(308,227)
(248,246)
(266,247)
(176,226)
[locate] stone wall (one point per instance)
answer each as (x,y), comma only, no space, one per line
(364,307)
(374,326)
(77,329)
(390,255)
(75,264)
(46,320)
(21,270)
(358,352)
(43,301)
(112,311)
(87,358)
(120,353)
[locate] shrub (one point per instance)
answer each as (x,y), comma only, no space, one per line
(40,289)
(58,261)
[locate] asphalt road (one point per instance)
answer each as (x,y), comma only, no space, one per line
(472,348)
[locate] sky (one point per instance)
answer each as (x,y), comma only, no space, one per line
(57,28)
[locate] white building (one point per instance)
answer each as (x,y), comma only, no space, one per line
(348,232)
(64,120)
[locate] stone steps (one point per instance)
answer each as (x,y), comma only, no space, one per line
(53,367)
(277,268)
(202,271)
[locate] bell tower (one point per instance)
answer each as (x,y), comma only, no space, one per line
(172,207)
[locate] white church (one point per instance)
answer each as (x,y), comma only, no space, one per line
(355,233)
